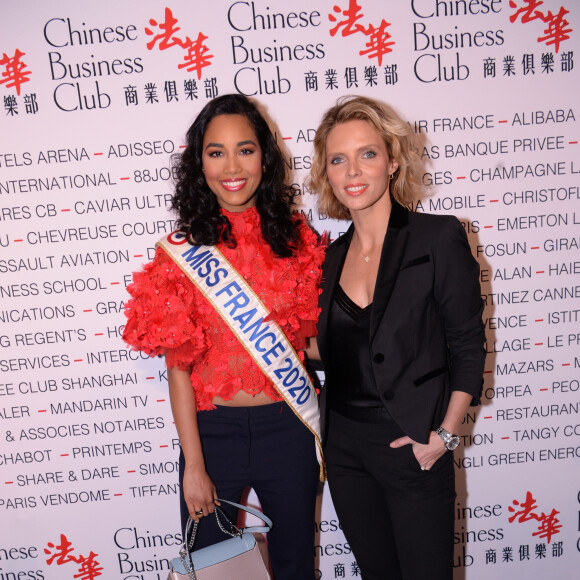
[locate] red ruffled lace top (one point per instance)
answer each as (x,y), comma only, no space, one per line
(168,315)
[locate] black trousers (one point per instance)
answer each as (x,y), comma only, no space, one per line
(269,449)
(397,519)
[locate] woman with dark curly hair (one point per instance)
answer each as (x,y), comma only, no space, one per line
(228,297)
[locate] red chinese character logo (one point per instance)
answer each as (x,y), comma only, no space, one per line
(168,29)
(379,42)
(14,73)
(350,25)
(196,58)
(549,524)
(558,28)
(88,569)
(62,553)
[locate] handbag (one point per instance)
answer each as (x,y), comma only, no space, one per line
(237,557)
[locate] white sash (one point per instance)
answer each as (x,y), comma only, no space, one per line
(243,312)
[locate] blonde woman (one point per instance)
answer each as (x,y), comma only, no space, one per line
(401,338)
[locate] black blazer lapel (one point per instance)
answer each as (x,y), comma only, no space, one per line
(391,257)
(330,277)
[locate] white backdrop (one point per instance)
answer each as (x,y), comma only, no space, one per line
(95,98)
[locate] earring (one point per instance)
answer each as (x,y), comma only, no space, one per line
(263,169)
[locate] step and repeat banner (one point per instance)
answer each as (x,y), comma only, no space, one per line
(97,97)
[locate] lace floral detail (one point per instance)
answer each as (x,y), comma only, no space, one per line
(168,315)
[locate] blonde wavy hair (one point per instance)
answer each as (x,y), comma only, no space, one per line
(405,185)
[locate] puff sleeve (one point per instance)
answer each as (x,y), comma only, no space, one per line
(161,314)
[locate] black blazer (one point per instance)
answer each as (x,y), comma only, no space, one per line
(426,332)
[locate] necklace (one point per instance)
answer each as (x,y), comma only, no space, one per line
(371,254)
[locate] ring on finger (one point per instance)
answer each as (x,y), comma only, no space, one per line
(422,468)
(199,513)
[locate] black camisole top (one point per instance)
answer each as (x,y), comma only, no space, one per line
(351,388)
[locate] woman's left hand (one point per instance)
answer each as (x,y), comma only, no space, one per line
(426,455)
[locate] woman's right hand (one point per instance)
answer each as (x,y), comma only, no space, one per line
(199,492)
(198,489)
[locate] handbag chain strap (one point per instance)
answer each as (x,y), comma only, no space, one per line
(185,552)
(190,571)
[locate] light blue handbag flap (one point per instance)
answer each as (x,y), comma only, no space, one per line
(217,553)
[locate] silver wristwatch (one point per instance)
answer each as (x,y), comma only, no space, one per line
(451,441)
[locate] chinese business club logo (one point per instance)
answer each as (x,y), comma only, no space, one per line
(557,27)
(196,56)
(548,524)
(14,73)
(62,553)
(379,40)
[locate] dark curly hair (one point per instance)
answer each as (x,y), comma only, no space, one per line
(197,207)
